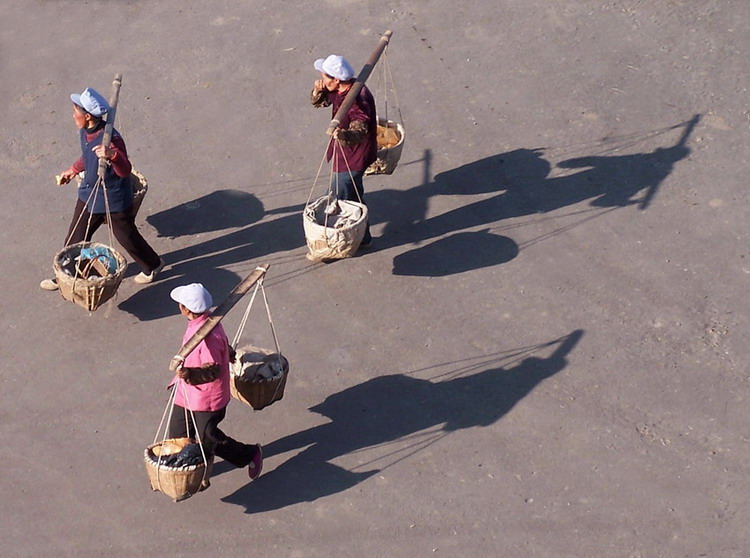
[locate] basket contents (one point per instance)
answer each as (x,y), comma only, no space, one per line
(258,376)
(168,455)
(88,263)
(387,137)
(256,365)
(101,254)
(337,217)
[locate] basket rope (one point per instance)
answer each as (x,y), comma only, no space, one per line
(387,78)
(99,183)
(320,168)
(168,416)
(336,146)
(241,328)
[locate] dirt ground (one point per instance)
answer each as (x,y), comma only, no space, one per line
(540,355)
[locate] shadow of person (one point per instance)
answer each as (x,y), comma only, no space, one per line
(615,181)
(255,241)
(607,181)
(522,186)
(202,262)
(456,253)
(493,174)
(389,409)
(154,302)
(218,210)
(405,211)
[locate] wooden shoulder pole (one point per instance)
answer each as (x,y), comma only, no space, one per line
(113,100)
(217,315)
(359,82)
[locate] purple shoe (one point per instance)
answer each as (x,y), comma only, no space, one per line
(256,465)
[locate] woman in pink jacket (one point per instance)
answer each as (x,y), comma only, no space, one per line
(202,384)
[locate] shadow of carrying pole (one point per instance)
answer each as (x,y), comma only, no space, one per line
(689,127)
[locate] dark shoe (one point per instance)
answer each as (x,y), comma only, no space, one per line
(256,465)
(205,485)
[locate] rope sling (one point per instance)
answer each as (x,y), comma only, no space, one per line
(389,153)
(334,228)
(246,383)
(178,482)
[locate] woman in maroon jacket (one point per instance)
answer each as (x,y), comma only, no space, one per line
(356,134)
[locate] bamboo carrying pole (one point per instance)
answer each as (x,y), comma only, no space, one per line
(116,84)
(221,311)
(359,82)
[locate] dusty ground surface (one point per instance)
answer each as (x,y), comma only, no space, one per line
(542,355)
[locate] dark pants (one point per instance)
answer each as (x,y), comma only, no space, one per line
(213,439)
(344,188)
(125,231)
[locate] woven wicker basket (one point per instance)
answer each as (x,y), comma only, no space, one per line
(140,187)
(88,292)
(388,157)
(257,394)
(326,242)
(179,483)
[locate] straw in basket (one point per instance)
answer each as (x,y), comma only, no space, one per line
(390,147)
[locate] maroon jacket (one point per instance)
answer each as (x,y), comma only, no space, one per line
(358,145)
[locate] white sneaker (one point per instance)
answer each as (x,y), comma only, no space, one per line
(145,278)
(49,285)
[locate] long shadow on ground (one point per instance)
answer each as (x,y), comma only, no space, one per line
(203,262)
(512,184)
(387,409)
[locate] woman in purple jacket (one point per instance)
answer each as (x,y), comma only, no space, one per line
(357,132)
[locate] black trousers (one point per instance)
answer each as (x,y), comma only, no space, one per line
(213,439)
(125,231)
